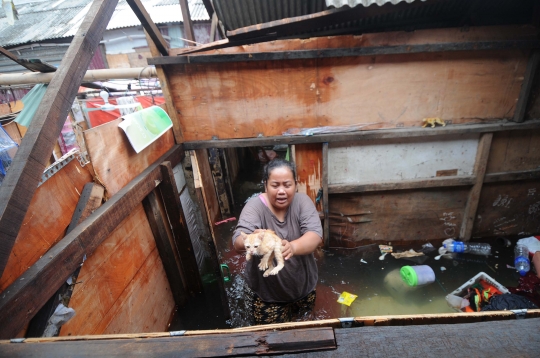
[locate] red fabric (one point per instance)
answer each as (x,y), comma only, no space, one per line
(101,117)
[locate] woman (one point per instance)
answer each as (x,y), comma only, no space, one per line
(293,217)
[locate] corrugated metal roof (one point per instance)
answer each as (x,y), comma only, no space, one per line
(39,21)
(235,14)
(366,3)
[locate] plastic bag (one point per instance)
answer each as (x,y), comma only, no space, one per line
(8,148)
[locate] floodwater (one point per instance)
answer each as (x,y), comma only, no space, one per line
(359,271)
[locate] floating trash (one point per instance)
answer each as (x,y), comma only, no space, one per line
(346,298)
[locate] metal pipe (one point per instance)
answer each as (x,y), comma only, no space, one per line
(90,76)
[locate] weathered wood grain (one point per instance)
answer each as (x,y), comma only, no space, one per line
(114,160)
(46,220)
(24,297)
(514,151)
(159,223)
(480,165)
(525,93)
(309,164)
(20,184)
(207,186)
(422,214)
(402,185)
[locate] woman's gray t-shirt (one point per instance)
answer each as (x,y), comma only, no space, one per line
(299,276)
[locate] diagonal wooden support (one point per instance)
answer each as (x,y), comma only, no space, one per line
(22,299)
(149,26)
(23,177)
(32,65)
(188,25)
(526,87)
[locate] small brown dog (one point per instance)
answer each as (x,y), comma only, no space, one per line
(432,121)
(267,244)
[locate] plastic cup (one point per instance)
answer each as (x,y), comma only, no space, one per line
(417,275)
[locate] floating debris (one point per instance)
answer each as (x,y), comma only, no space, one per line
(363,261)
(382,256)
(443,268)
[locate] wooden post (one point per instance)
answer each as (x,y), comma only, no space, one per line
(479,172)
(188,26)
(165,88)
(167,249)
(218,176)
(25,173)
(149,26)
(326,229)
(178,223)
(525,93)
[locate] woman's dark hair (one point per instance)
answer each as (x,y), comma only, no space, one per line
(278,163)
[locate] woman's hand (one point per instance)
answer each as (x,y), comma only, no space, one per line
(287,249)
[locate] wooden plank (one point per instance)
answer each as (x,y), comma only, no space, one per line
(165,244)
(106,276)
(439,182)
(345,52)
(114,160)
(408,215)
(165,88)
(508,208)
(309,169)
(32,65)
(523,99)
(90,200)
(149,26)
(514,151)
(20,184)
(177,220)
(512,176)
(325,199)
(29,293)
(188,24)
(218,176)
(230,345)
(13,131)
(56,198)
(499,126)
(209,194)
(482,156)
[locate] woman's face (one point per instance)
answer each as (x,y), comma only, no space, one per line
(280,188)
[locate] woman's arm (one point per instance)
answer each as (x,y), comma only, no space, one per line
(304,245)
(239,245)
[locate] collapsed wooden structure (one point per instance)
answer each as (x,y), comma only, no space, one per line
(357,96)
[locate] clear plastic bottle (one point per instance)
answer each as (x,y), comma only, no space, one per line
(476,248)
(521,261)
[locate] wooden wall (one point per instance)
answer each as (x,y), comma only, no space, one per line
(122,287)
(248,99)
(46,220)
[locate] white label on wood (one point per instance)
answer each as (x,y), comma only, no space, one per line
(400,159)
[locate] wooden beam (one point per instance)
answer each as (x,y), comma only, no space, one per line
(91,199)
(498,126)
(345,52)
(165,88)
(167,249)
(222,345)
(403,184)
(511,176)
(178,223)
(34,65)
(22,299)
(218,177)
(526,87)
(149,26)
(479,172)
(188,25)
(326,228)
(25,173)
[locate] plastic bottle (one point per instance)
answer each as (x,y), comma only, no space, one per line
(476,248)
(521,261)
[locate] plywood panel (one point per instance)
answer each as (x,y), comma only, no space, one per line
(400,159)
(13,131)
(118,61)
(46,220)
(114,160)
(514,151)
(207,186)
(408,215)
(248,99)
(309,169)
(510,208)
(110,277)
